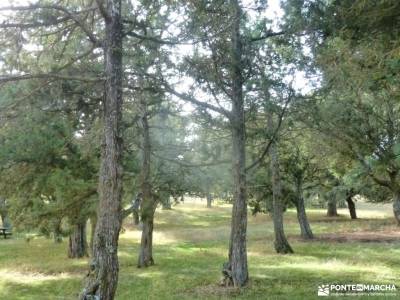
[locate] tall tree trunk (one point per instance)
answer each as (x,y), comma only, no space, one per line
(396,206)
(136,202)
(103,276)
(281,243)
(305,228)
(77,241)
(332,209)
(166,203)
(148,204)
(237,249)
(135,216)
(57,232)
(350,204)
(209,200)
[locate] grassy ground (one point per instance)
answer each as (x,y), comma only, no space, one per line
(190,246)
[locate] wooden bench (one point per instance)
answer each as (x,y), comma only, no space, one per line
(5,232)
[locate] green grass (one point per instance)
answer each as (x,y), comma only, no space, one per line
(190,246)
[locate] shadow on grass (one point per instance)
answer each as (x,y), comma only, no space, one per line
(285,282)
(179,269)
(65,288)
(371,254)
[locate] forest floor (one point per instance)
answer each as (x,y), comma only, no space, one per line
(190,246)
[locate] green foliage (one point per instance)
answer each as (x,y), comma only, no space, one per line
(43,172)
(355,111)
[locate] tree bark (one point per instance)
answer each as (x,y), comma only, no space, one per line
(332,210)
(396,206)
(77,241)
(351,205)
(146,244)
(57,232)
(281,243)
(135,208)
(103,276)
(305,228)
(166,203)
(209,200)
(148,204)
(135,216)
(237,249)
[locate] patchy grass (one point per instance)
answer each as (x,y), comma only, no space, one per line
(191,244)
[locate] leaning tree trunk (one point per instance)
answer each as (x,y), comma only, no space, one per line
(281,243)
(238,270)
(103,276)
(146,244)
(148,205)
(396,206)
(305,228)
(332,209)
(78,246)
(351,205)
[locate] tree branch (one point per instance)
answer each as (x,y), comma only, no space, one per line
(126,212)
(190,165)
(191,99)
(103,10)
(69,16)
(378,180)
(10,78)
(266,149)
(267,35)
(152,39)
(5,25)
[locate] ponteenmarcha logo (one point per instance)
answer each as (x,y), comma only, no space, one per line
(323,290)
(357,289)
